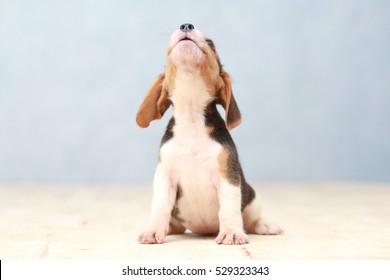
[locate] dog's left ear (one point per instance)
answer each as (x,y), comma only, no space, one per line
(155,103)
(226,99)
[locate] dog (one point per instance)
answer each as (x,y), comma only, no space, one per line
(198,184)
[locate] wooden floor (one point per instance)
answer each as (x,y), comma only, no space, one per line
(321,221)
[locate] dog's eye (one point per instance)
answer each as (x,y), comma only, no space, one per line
(211,44)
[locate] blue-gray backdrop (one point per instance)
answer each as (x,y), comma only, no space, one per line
(312,79)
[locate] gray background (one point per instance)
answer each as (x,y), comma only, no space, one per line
(312,79)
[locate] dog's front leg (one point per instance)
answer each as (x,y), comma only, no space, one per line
(231,229)
(164,195)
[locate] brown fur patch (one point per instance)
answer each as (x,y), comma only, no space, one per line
(222,162)
(209,71)
(170,73)
(209,130)
(230,167)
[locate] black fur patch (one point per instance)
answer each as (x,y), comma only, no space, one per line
(220,134)
(176,211)
(179,193)
(176,214)
(247,194)
(168,135)
(211,44)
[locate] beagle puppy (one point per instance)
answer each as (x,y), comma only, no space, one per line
(198,183)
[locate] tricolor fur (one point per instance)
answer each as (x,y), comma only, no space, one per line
(199,184)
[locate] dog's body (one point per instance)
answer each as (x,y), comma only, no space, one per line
(199,184)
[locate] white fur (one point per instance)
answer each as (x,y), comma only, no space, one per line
(187,53)
(231,229)
(191,156)
(164,194)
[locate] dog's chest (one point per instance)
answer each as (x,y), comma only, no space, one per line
(191,156)
(191,159)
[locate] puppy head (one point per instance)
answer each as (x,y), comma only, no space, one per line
(190,51)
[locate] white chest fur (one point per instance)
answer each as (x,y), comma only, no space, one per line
(190,157)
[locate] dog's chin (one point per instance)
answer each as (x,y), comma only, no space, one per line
(186,53)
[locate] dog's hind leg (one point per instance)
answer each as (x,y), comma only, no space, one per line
(254,223)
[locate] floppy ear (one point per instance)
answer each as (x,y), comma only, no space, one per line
(226,99)
(155,103)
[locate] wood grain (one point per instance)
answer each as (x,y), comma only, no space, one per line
(321,221)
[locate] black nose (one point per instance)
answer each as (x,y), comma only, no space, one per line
(186,27)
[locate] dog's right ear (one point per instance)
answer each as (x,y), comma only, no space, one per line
(155,103)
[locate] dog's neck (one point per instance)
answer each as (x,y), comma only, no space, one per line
(190,97)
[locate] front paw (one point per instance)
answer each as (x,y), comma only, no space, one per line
(232,237)
(152,236)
